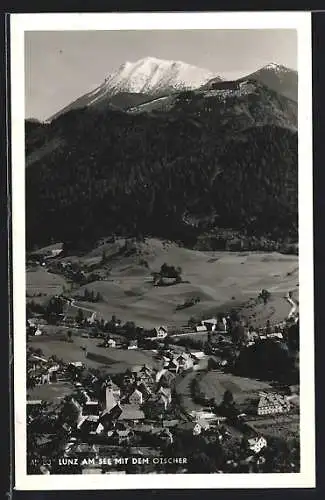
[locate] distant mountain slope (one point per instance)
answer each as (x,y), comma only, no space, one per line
(278,78)
(149,77)
(212,159)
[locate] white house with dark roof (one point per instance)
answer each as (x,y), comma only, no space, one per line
(185,361)
(257,443)
(136,397)
(166,392)
(161,332)
(201,329)
(173,366)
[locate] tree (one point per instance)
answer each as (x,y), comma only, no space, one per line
(202,463)
(228,398)
(264,296)
(80,316)
(104,257)
(69,335)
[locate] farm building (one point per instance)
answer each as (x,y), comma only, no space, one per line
(271,403)
(256,444)
(210,324)
(136,397)
(133,344)
(161,332)
(201,328)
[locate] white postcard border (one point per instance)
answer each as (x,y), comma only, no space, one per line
(301,21)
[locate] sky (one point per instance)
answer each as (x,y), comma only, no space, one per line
(60,66)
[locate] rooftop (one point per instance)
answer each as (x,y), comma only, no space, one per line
(131,412)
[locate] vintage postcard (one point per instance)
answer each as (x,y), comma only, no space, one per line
(162,250)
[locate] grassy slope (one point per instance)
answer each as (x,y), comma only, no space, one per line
(109,360)
(215,277)
(41,281)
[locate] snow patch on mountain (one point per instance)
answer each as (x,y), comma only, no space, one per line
(276,68)
(155,76)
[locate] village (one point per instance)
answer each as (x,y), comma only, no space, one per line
(105,396)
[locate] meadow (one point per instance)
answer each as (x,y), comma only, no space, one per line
(110,360)
(220,280)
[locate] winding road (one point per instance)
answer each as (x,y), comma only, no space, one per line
(294,306)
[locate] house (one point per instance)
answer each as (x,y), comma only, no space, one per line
(272,403)
(277,335)
(146,375)
(129,377)
(144,389)
(34,402)
(119,435)
(166,392)
(124,436)
(210,324)
(131,413)
(166,378)
(146,369)
(170,423)
(38,331)
(143,428)
(197,355)
(165,436)
(159,374)
(135,369)
(108,416)
(76,364)
(201,329)
(173,366)
(162,401)
(185,362)
(136,398)
(166,361)
(257,443)
(203,424)
(88,424)
(192,427)
(111,343)
(133,344)
(43,378)
(207,416)
(91,408)
(161,332)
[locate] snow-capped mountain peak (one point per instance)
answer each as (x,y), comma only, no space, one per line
(276,68)
(154,76)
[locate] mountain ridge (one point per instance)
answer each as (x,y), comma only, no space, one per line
(149,76)
(152,78)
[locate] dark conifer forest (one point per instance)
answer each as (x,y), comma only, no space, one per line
(204,162)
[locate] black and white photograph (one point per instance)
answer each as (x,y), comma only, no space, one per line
(163,268)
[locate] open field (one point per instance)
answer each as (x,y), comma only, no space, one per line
(221,280)
(183,389)
(110,360)
(285,427)
(214,384)
(50,392)
(40,281)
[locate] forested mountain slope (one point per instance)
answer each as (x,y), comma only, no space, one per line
(211,158)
